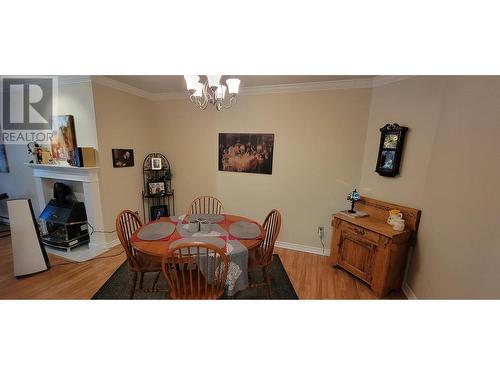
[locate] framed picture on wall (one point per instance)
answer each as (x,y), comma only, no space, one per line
(246,152)
(390,149)
(123,157)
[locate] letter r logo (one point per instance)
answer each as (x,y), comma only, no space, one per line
(26,103)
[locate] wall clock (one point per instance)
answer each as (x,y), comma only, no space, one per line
(390,150)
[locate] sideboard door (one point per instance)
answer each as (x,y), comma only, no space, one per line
(357,256)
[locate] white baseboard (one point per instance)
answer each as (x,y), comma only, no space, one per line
(408,292)
(304,248)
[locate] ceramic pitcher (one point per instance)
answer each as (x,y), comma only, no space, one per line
(394,215)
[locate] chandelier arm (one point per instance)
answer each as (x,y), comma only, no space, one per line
(204,104)
(230,102)
(209,95)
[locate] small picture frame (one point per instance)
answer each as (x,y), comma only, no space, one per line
(156,164)
(158,211)
(122,157)
(38,155)
(390,149)
(156,188)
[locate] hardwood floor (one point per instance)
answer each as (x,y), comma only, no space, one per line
(311,276)
(68,281)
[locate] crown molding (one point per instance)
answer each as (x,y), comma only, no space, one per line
(169,95)
(71,80)
(105,81)
(361,83)
(386,80)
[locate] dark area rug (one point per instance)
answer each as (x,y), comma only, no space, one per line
(117,285)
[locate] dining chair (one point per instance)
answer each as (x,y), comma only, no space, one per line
(205,205)
(262,257)
(195,270)
(127,222)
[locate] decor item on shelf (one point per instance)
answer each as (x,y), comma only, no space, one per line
(159,211)
(42,155)
(157,185)
(212,90)
(353,197)
(156,188)
(398,225)
(250,153)
(38,155)
(32,150)
(390,149)
(123,157)
(393,216)
(395,220)
(63,142)
(85,157)
(4,163)
(156,164)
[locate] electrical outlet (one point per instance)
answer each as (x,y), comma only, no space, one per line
(321,232)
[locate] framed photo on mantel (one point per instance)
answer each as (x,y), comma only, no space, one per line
(390,149)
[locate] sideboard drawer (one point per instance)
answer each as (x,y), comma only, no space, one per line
(361,232)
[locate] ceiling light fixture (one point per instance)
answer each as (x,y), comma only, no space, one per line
(211,90)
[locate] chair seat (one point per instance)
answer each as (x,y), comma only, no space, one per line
(146,263)
(255,259)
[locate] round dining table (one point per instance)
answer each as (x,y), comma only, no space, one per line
(156,248)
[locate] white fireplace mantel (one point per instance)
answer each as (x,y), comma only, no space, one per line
(65,172)
(89,178)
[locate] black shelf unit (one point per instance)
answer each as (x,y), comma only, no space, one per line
(157,177)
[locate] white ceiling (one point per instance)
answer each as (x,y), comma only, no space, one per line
(171,83)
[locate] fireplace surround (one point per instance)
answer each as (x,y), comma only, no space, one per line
(84,181)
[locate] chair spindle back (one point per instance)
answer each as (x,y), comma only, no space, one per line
(195,270)
(205,205)
(127,222)
(272,226)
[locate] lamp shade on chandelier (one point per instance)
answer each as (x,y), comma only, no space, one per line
(212,91)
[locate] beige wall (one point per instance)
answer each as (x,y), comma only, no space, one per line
(123,121)
(416,103)
(75,99)
(319,141)
(450,171)
(185,135)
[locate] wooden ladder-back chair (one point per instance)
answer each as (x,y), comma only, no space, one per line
(195,270)
(262,257)
(205,205)
(127,222)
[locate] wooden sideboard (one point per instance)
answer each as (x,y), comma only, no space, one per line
(369,248)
